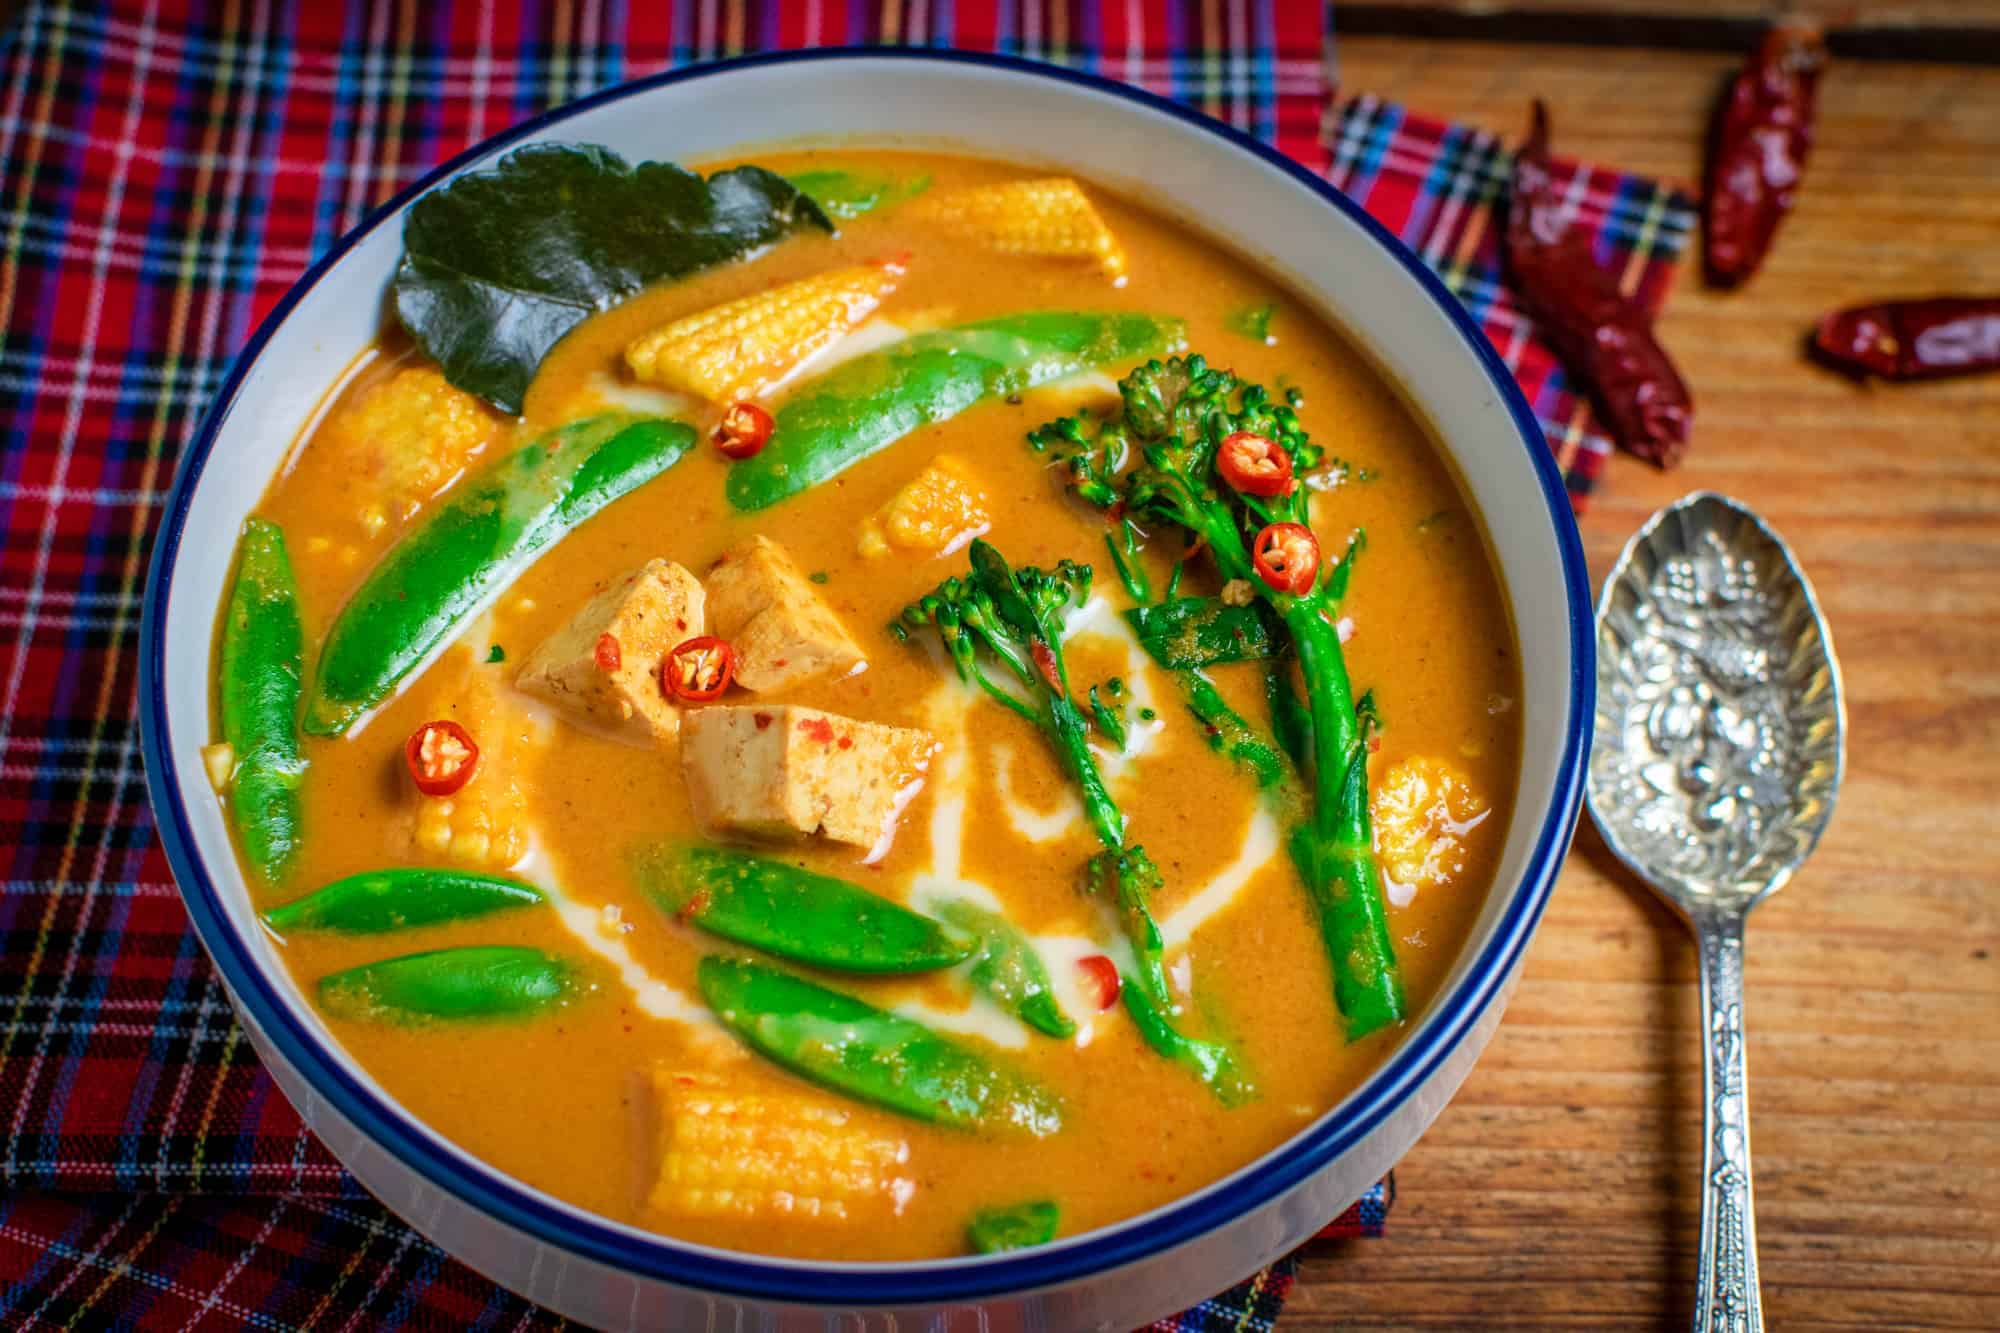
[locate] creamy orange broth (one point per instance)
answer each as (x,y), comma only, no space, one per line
(558,1101)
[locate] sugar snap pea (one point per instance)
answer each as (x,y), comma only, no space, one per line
(870,402)
(1009,970)
(1014,1227)
(866,1053)
(481,981)
(263,668)
(795,913)
(1203,631)
(381,900)
(844,194)
(484,533)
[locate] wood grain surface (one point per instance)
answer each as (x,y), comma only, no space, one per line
(1559,1190)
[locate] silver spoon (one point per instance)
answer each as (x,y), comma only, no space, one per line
(1720,741)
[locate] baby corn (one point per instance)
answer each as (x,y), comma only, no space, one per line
(730,1153)
(738,349)
(484,825)
(936,512)
(1051,218)
(411,435)
(1424,810)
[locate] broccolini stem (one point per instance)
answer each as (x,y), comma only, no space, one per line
(1071,734)
(1123,544)
(1333,850)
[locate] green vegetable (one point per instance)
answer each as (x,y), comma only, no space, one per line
(1126,878)
(1009,970)
(1110,724)
(496,654)
(1368,712)
(380,900)
(1015,1227)
(1176,415)
(1123,543)
(857,1049)
(1012,618)
(1290,722)
(499,264)
(1204,631)
(795,913)
(866,404)
(1229,735)
(263,667)
(1254,322)
(487,530)
(484,981)
(847,194)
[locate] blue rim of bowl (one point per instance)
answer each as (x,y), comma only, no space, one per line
(660,1257)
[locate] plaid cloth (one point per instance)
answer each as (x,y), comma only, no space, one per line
(181,1261)
(1439,188)
(166,171)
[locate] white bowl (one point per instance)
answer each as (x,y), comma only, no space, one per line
(1330,255)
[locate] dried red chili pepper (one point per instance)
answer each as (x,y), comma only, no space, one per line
(1604,337)
(1914,340)
(1762,131)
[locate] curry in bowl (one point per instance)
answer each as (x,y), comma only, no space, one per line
(870,705)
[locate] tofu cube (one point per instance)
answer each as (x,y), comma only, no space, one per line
(783,631)
(788,772)
(644,615)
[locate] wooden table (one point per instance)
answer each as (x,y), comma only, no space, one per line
(1559,1189)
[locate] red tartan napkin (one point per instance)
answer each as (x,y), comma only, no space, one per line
(1439,187)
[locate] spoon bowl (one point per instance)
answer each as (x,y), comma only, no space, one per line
(1719,748)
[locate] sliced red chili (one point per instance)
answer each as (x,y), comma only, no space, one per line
(608,653)
(1255,465)
(1287,557)
(743,431)
(698,670)
(441,757)
(1100,980)
(1045,662)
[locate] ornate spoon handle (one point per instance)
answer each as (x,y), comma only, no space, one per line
(1726,1296)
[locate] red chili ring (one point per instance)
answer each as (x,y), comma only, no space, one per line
(743,431)
(1100,976)
(1255,465)
(441,757)
(698,669)
(1286,556)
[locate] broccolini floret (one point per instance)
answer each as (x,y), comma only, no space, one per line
(1002,627)
(1176,416)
